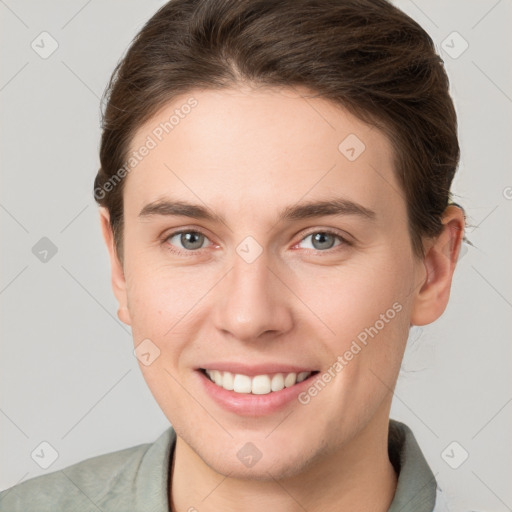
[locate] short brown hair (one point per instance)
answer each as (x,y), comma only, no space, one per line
(364,55)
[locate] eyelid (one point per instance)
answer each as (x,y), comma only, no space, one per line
(330,231)
(165,237)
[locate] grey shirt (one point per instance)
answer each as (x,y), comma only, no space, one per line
(137,479)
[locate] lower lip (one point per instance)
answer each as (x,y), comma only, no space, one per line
(247,404)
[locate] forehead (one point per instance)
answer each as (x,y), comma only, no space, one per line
(247,150)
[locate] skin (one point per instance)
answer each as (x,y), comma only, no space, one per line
(247,154)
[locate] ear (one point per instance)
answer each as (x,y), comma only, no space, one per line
(116,267)
(441,255)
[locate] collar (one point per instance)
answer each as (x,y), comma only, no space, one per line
(416,487)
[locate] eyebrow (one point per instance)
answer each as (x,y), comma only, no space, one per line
(335,207)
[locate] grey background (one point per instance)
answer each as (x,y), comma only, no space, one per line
(67,370)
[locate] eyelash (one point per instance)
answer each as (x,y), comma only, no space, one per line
(171,248)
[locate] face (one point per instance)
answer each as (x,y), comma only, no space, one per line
(263,284)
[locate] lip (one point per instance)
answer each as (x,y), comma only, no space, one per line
(247,404)
(257,369)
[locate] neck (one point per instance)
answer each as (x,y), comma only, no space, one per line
(358,475)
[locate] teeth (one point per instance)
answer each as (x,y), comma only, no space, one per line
(290,380)
(242,384)
(303,376)
(217,377)
(277,382)
(261,385)
(228,381)
(258,385)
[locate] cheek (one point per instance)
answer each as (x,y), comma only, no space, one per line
(168,305)
(161,304)
(353,297)
(367,308)
(160,297)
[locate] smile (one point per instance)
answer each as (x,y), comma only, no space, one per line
(257,385)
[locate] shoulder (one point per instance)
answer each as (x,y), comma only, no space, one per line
(105,482)
(79,485)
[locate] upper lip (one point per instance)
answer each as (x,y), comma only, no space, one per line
(255,369)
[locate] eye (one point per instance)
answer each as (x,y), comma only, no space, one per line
(190,240)
(324,240)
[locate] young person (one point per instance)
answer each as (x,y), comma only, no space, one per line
(274,195)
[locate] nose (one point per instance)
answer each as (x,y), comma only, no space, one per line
(252,302)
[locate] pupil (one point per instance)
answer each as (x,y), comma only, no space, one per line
(320,237)
(188,238)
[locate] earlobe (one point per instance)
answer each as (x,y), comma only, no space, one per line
(431,296)
(116,267)
(124,315)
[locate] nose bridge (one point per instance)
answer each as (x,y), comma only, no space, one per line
(253,299)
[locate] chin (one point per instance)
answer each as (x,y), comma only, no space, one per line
(262,471)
